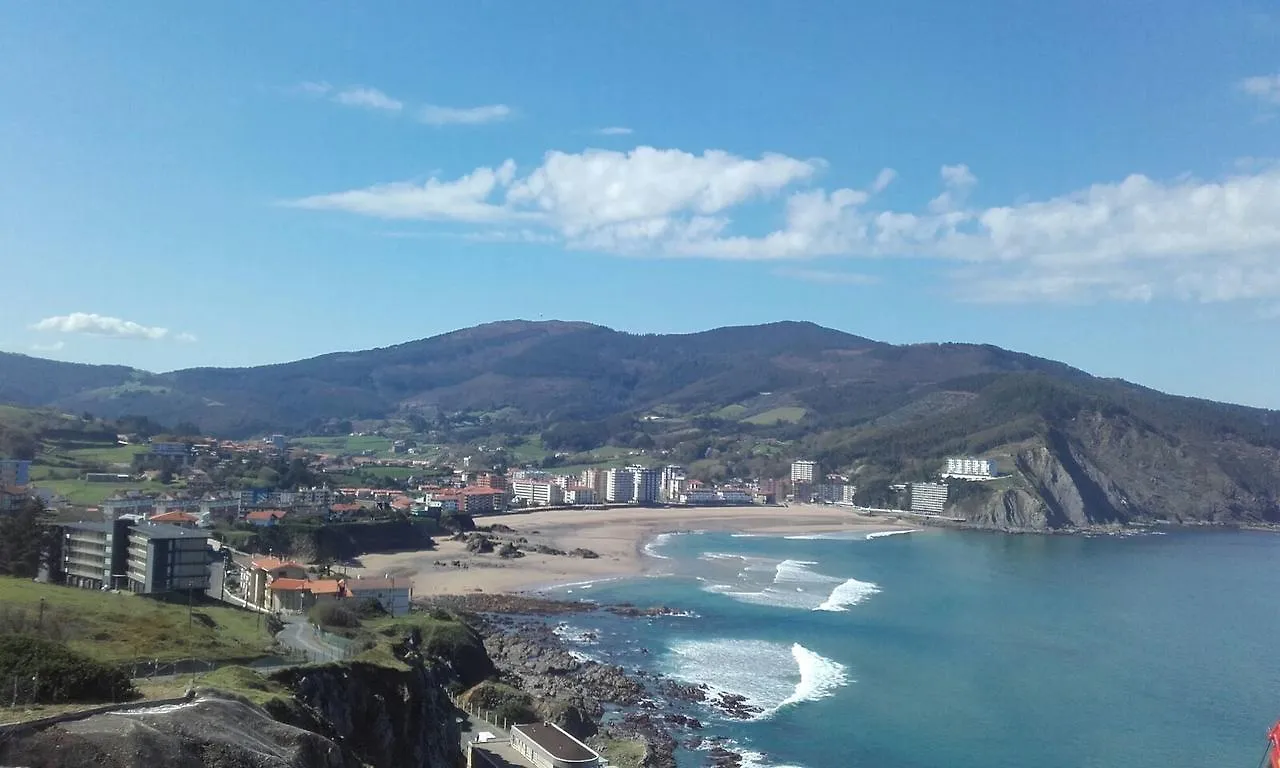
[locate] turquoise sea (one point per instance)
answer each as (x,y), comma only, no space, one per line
(965,650)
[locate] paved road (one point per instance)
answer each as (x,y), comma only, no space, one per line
(299,635)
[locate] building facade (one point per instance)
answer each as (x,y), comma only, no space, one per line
(14,472)
(803,472)
(547,745)
(970,467)
(166,558)
(394,595)
(93,555)
(837,493)
(646,485)
(928,497)
(537,493)
(619,485)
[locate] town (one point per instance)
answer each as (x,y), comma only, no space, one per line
(217,541)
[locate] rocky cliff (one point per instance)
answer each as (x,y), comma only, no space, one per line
(384,716)
(208,732)
(1096,471)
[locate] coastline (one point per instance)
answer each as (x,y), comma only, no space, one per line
(619,536)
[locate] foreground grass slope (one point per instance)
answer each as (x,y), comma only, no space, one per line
(125,627)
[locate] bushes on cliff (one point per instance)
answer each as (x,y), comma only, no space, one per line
(500,703)
(45,672)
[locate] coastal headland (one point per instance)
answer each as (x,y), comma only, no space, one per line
(617,536)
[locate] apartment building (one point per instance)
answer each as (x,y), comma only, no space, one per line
(619,485)
(145,558)
(928,497)
(537,493)
(579,494)
(595,479)
(166,558)
(646,485)
(968,467)
(804,472)
(836,493)
(14,472)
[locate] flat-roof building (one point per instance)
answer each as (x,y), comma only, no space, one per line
(547,745)
(163,558)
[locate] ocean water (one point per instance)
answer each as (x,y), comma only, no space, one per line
(965,650)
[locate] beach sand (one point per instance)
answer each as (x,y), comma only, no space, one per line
(617,535)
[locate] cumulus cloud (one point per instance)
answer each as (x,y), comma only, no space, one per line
(434,114)
(1137,239)
(1265,88)
(90,324)
(615,130)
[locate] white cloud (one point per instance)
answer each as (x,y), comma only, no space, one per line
(465,199)
(54,347)
(367,98)
(101,325)
(433,114)
(1138,239)
(615,130)
(1265,88)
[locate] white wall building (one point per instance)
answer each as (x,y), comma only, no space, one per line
(619,485)
(537,493)
(803,472)
(969,467)
(928,497)
(646,485)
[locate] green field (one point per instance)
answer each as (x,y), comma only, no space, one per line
(86,494)
(347,444)
(731,412)
(787,413)
(106,455)
(125,627)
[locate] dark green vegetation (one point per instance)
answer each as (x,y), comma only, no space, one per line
(318,541)
(23,538)
(737,402)
(46,672)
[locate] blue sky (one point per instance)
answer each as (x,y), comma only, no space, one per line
(240,182)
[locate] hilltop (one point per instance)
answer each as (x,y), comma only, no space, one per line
(737,401)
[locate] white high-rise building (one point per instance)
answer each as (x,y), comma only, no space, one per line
(619,485)
(968,466)
(646,485)
(928,497)
(803,472)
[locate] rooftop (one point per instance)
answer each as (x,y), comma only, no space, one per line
(268,563)
(155,531)
(361,585)
(87,526)
(556,742)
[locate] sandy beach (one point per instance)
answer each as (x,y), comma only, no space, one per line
(617,535)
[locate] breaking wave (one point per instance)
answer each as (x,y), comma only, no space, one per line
(882,534)
(661,540)
(770,676)
(796,585)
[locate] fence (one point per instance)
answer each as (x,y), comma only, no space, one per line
(487,715)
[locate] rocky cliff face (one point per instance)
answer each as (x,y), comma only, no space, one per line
(208,732)
(386,717)
(1096,471)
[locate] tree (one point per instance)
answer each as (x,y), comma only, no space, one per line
(23,540)
(166,474)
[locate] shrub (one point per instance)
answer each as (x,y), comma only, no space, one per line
(334,614)
(47,672)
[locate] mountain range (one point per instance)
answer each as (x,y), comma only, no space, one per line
(1079,450)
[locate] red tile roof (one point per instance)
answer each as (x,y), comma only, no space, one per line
(265,514)
(268,563)
(290,585)
(173,517)
(326,587)
(478,490)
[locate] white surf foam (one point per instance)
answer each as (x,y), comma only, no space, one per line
(796,585)
(769,676)
(720,556)
(571,634)
(882,534)
(750,757)
(661,540)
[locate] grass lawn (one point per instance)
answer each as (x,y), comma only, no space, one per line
(787,413)
(106,454)
(86,494)
(734,411)
(125,627)
(344,444)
